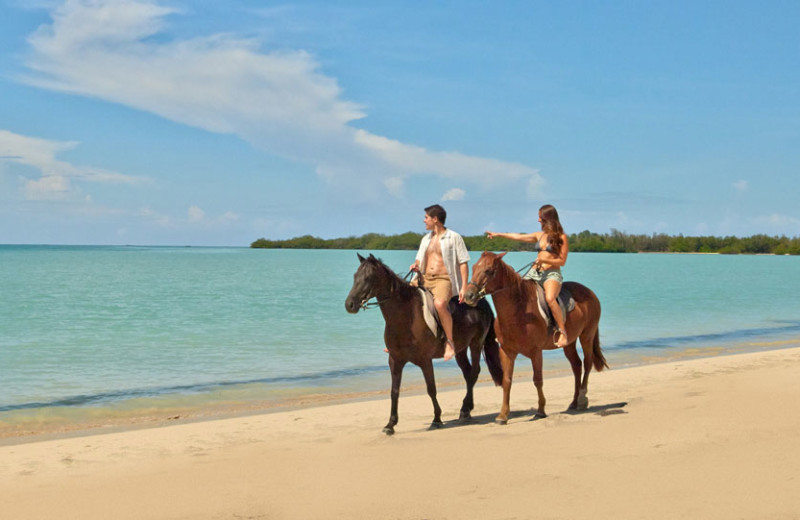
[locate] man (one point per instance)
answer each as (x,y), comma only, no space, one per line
(442,262)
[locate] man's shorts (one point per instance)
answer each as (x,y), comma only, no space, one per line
(439,285)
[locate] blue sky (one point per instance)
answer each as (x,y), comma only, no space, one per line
(184,122)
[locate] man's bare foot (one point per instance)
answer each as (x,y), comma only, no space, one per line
(449,350)
(386,350)
(562,338)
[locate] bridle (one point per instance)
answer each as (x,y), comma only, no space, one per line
(482,287)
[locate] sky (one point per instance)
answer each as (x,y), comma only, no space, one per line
(179,122)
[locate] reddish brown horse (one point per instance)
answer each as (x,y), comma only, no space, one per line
(408,338)
(520,328)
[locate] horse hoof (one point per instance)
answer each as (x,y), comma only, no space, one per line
(572,406)
(388,430)
(465,416)
(583,401)
(539,415)
(435,425)
(501,421)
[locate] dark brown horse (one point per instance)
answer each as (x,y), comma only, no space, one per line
(520,328)
(408,338)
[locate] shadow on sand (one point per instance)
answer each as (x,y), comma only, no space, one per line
(602,410)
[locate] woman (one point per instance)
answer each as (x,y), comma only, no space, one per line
(553,247)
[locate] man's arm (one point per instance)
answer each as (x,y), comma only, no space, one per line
(464,268)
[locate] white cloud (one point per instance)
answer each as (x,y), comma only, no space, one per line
(781,223)
(409,159)
(195,214)
(453,194)
(277,101)
(51,187)
(741,186)
(54,181)
(229,217)
(395,186)
(159,218)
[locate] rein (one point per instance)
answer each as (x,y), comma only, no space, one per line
(367,304)
(482,289)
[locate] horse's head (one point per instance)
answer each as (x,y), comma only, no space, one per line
(484,277)
(365,282)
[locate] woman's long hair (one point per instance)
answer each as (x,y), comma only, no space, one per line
(551,225)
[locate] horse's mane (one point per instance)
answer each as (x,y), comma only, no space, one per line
(510,273)
(397,284)
(512,276)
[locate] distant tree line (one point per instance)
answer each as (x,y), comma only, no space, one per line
(373,241)
(585,241)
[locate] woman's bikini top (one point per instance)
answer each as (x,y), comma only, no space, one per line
(538,248)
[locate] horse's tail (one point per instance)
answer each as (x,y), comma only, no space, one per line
(491,353)
(598,359)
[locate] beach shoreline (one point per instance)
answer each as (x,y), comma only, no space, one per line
(709,437)
(56,422)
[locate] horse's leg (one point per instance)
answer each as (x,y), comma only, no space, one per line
(430,382)
(396,369)
(587,342)
(575,362)
(538,381)
(466,371)
(475,350)
(508,374)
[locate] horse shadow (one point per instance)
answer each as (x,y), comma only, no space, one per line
(602,410)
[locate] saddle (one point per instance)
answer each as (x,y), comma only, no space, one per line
(565,301)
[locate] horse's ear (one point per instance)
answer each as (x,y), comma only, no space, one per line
(372,257)
(361,259)
(501,255)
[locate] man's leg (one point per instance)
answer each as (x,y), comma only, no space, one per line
(447,325)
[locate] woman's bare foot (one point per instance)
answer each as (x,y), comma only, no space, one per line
(449,350)
(562,338)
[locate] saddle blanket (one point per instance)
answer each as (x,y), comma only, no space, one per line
(565,302)
(429,311)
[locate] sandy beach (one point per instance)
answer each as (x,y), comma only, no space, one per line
(703,438)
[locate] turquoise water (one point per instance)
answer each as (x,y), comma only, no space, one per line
(84,328)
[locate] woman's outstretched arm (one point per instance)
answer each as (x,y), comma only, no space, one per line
(519,237)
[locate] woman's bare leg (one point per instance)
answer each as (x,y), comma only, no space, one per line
(551,290)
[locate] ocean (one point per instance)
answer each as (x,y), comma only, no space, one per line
(94,333)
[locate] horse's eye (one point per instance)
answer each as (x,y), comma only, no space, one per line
(490,272)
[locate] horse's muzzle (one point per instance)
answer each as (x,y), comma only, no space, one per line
(471,296)
(352,305)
